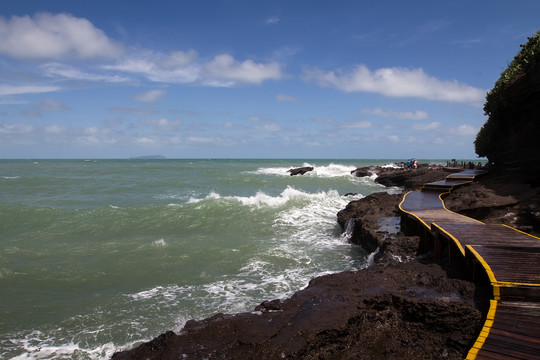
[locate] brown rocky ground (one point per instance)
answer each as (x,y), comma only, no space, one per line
(406,306)
(501,197)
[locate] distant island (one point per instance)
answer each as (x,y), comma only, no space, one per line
(148,157)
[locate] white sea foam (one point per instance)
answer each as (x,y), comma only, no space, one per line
(159,243)
(10,177)
(333,170)
(211,196)
(261,199)
(391,166)
(163,292)
(325,171)
(37,345)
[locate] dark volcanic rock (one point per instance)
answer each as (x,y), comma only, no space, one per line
(301,170)
(364,171)
(360,218)
(410,311)
(412,179)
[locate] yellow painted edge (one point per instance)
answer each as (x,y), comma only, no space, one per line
(486,266)
(410,213)
(508,226)
(512,284)
(473,352)
(456,241)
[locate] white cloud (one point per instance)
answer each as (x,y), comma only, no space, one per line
(47,36)
(26,89)
(357,125)
(271,127)
(397,82)
(255,118)
(464,130)
(272,20)
(131,111)
(150,97)
(184,68)
(16,129)
(178,59)
(416,115)
(431,126)
(145,140)
(55,129)
(162,123)
(202,139)
(225,67)
(393,138)
(69,73)
(284,97)
(47,105)
(401,139)
(159,69)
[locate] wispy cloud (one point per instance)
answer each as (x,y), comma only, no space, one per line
(131,111)
(53,36)
(26,89)
(162,123)
(357,125)
(272,20)
(285,97)
(410,115)
(47,105)
(464,130)
(431,126)
(150,97)
(56,70)
(397,82)
(178,67)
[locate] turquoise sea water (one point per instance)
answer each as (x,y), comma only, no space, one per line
(99,255)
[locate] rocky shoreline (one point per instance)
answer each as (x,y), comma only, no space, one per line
(405,306)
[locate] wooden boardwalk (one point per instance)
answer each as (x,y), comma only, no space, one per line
(505,257)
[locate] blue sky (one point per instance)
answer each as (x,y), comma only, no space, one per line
(252,79)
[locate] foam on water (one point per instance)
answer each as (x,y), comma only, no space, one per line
(37,345)
(324,171)
(159,243)
(116,257)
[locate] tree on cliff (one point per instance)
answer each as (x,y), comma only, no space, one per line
(511,135)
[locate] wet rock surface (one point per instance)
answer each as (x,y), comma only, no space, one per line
(405,306)
(408,311)
(301,170)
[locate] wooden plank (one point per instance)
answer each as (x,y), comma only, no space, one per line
(484,354)
(505,349)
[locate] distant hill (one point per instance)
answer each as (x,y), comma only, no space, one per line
(148,157)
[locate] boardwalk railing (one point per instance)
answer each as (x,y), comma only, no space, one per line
(508,259)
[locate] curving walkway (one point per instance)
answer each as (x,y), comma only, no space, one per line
(505,257)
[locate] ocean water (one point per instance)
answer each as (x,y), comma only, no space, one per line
(97,256)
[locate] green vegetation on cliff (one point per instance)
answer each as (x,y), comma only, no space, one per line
(503,102)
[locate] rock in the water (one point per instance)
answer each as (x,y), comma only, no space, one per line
(300,170)
(364,171)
